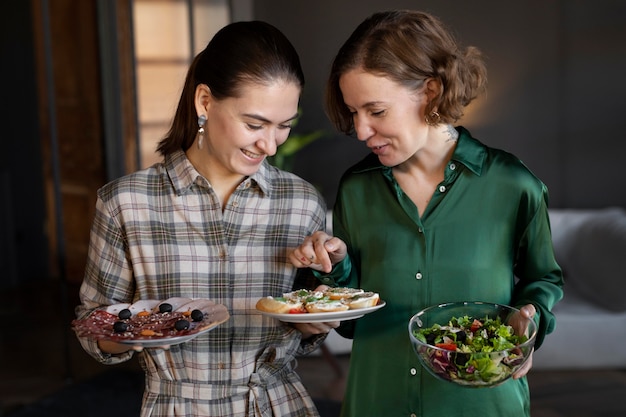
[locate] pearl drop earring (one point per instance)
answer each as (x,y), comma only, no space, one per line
(201,123)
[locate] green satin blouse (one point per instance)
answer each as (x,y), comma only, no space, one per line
(485,236)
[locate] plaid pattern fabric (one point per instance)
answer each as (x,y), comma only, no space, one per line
(161,233)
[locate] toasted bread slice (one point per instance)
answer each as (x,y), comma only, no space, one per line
(339,293)
(279,305)
(304,296)
(325,305)
(363,300)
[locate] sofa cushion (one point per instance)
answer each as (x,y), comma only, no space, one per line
(590,246)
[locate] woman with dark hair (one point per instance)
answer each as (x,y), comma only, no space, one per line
(214,220)
(431,216)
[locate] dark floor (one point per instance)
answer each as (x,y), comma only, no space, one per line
(41,375)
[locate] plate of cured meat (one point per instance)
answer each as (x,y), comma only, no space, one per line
(152,323)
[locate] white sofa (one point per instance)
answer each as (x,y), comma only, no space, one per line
(590,246)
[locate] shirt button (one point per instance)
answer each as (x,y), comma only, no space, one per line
(413,415)
(419,229)
(452,166)
(413,371)
(442,188)
(418,275)
(235,203)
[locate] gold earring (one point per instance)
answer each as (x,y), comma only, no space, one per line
(201,123)
(433,118)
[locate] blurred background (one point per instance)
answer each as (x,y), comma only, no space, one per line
(90,86)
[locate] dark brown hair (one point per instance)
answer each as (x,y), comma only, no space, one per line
(408,47)
(240,53)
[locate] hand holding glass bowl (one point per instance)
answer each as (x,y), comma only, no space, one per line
(482,353)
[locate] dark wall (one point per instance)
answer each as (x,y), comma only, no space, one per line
(23,244)
(557,88)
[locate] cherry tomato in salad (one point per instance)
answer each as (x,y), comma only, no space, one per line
(447,346)
(476,324)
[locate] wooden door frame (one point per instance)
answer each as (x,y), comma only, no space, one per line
(87,112)
(119,98)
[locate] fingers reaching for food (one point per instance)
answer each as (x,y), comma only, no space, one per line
(320,251)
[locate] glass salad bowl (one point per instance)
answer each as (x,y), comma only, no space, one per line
(472,344)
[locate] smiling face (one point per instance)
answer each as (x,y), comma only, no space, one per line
(241,131)
(387,116)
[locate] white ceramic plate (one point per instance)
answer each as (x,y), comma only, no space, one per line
(323,317)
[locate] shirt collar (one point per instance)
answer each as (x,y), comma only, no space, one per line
(263,178)
(469,152)
(183,174)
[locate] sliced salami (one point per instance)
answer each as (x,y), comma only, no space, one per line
(151,320)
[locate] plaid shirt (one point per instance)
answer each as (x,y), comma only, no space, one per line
(161,233)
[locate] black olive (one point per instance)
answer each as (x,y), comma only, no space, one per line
(165,308)
(461,358)
(124,314)
(120,327)
(430,338)
(181,324)
(461,336)
(197,315)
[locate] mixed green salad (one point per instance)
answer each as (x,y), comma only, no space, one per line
(472,351)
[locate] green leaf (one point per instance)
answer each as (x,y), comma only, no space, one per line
(296,143)
(285,154)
